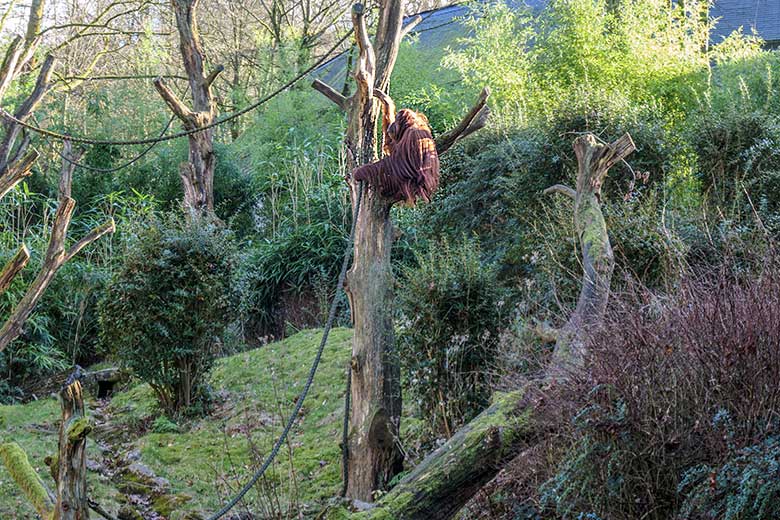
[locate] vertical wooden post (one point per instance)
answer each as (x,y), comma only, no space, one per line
(72,503)
(375,412)
(594,161)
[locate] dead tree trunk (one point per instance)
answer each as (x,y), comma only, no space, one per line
(197,175)
(55,257)
(445,481)
(69,468)
(374,455)
(72,503)
(594,161)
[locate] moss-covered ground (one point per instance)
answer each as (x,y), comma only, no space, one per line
(208,458)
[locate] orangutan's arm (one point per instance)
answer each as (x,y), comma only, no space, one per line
(368,172)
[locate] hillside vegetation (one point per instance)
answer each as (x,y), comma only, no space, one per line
(212,315)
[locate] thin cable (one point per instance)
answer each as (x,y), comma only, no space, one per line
(121,166)
(185,133)
(345,434)
(302,396)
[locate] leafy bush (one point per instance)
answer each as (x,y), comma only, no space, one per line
(303,261)
(660,370)
(165,310)
(746,486)
(738,160)
(451,308)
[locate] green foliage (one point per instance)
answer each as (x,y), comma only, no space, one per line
(451,307)
(164,425)
(746,486)
(303,261)
(164,312)
(739,162)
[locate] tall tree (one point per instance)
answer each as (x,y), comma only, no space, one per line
(197,174)
(374,454)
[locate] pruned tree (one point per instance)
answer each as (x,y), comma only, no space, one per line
(447,478)
(374,455)
(197,174)
(68,466)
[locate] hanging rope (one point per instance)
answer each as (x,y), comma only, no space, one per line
(345,434)
(302,396)
(184,133)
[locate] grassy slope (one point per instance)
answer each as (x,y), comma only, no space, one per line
(254,389)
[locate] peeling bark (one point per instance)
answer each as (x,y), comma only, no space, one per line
(69,468)
(72,503)
(594,161)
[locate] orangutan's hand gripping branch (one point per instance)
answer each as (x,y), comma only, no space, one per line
(410,168)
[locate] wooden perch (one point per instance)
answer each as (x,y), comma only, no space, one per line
(562,189)
(475,119)
(68,468)
(330,93)
(8,69)
(16,172)
(414,22)
(176,105)
(29,482)
(366,65)
(447,478)
(213,75)
(72,503)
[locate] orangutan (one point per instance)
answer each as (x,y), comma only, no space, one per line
(410,169)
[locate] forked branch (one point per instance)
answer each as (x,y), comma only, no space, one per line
(475,119)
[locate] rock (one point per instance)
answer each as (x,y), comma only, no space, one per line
(140,479)
(127,512)
(166,505)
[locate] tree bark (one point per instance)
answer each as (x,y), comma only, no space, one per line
(56,254)
(197,174)
(594,161)
(69,468)
(72,503)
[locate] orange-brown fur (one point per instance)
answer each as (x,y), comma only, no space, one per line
(410,171)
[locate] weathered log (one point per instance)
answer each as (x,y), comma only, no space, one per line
(72,502)
(18,466)
(445,480)
(594,161)
(69,467)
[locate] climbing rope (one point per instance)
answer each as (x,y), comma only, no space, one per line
(302,396)
(162,138)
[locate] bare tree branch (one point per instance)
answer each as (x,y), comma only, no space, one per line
(562,189)
(13,267)
(475,119)
(330,93)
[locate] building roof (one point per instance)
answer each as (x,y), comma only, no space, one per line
(761,16)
